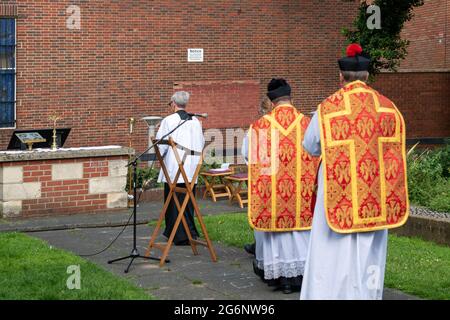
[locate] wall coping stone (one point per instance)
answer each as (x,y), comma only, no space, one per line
(437,70)
(64,153)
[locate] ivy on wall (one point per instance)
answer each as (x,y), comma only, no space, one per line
(384,44)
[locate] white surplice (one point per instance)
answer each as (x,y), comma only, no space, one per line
(340,266)
(279,254)
(189,135)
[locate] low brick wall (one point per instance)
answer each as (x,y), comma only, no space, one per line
(81,183)
(152,195)
(158,194)
(426,228)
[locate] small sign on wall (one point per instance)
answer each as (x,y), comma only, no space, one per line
(195,55)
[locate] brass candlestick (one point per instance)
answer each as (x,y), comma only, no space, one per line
(54,118)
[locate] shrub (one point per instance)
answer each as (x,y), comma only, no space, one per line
(428,178)
(385,45)
(441,199)
(144,174)
(152,174)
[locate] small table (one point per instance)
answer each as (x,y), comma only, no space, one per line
(215,186)
(236,183)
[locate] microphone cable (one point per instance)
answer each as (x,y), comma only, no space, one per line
(121,231)
(112,242)
(137,202)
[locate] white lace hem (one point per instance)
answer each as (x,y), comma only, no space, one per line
(282,269)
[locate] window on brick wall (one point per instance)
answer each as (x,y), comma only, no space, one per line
(7,72)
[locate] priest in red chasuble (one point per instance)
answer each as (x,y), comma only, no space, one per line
(362,186)
(281,185)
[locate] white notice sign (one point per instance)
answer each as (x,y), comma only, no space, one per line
(195,55)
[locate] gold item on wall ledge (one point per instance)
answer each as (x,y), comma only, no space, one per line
(54,118)
(30,138)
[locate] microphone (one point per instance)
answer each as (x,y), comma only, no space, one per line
(200,115)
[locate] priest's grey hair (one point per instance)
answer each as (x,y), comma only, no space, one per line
(181,98)
(355,75)
(266,107)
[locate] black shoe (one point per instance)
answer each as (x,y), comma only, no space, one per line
(250,248)
(183,243)
(287,289)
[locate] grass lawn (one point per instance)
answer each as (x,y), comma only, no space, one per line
(31,269)
(414,266)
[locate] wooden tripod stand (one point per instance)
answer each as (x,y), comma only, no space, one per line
(188,190)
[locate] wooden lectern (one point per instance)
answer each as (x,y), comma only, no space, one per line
(188,190)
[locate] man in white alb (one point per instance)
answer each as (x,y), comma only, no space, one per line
(189,135)
(362,186)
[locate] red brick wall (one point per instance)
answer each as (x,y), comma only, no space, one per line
(129,54)
(228,103)
(429,36)
(422,98)
(8,9)
(64,196)
(421,89)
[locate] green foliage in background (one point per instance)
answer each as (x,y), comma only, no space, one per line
(151,173)
(143,174)
(429,178)
(206,167)
(385,46)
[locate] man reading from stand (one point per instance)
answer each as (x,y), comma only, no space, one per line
(281,183)
(362,187)
(189,135)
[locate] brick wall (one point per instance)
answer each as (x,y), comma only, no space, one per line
(46,187)
(129,54)
(421,88)
(8,9)
(429,36)
(423,98)
(228,103)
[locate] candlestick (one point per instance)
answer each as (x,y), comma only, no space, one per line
(54,118)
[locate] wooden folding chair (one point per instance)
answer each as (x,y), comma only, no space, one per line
(237,184)
(188,190)
(215,185)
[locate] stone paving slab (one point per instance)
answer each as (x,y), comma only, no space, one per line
(186,277)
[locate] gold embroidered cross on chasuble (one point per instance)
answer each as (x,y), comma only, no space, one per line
(364,160)
(282,174)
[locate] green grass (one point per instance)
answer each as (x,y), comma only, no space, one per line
(418,267)
(414,266)
(197,282)
(31,269)
(231,229)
